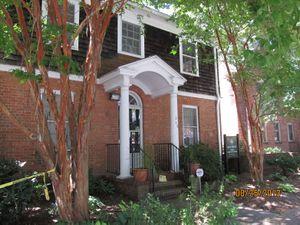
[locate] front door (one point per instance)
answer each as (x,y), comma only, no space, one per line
(135,126)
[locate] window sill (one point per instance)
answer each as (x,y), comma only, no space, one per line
(131,54)
(190,74)
(278,142)
(291,142)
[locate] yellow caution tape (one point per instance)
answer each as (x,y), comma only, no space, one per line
(29,178)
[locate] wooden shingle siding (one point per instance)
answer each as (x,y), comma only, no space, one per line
(157,42)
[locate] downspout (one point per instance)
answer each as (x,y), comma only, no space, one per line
(218,106)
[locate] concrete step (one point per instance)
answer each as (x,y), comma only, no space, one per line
(169,193)
(168,185)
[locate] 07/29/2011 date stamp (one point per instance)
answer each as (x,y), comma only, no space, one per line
(254,192)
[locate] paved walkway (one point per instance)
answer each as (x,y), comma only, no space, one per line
(260,217)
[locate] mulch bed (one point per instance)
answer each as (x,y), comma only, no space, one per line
(273,204)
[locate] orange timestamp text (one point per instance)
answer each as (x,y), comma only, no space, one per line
(254,192)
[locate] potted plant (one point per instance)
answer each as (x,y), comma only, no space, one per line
(140,174)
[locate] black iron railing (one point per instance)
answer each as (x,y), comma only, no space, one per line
(163,153)
(113,158)
(163,158)
(139,159)
(160,161)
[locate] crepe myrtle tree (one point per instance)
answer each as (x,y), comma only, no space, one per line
(44,43)
(259,51)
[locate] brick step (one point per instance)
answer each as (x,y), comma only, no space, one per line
(168,185)
(169,193)
(165,185)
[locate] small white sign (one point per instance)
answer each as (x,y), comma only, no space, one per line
(199,172)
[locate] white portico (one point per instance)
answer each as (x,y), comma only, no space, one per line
(156,78)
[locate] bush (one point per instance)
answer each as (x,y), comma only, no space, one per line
(286,163)
(286,187)
(83,223)
(15,198)
(99,186)
(230,178)
(149,211)
(208,159)
(271,150)
(210,208)
(277,177)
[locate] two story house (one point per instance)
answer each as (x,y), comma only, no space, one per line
(145,95)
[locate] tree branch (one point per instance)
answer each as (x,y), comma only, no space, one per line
(17,123)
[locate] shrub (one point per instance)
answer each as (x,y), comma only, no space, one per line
(95,204)
(230,178)
(210,208)
(285,162)
(149,211)
(15,198)
(271,150)
(277,177)
(208,159)
(286,187)
(83,223)
(99,186)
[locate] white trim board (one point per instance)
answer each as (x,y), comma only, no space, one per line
(52,74)
(196,95)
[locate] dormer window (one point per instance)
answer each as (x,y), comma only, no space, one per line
(72,17)
(130,38)
(189,63)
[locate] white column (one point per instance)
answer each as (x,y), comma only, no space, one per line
(174,127)
(124,133)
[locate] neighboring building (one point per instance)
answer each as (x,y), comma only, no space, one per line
(283,133)
(165,98)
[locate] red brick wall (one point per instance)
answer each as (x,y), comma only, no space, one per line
(284,144)
(104,126)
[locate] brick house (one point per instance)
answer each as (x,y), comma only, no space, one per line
(145,95)
(283,133)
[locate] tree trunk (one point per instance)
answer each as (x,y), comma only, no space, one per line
(249,126)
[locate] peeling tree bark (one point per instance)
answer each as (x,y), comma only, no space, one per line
(70,180)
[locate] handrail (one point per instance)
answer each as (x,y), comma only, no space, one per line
(153,166)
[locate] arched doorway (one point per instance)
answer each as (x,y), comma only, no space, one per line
(136,129)
(135,121)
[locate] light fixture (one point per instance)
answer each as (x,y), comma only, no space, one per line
(114,96)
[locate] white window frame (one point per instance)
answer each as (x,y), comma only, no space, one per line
(56,92)
(181,55)
(135,22)
(75,45)
(197,120)
(279,132)
(288,132)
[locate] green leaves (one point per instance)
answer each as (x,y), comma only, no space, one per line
(25,76)
(266,42)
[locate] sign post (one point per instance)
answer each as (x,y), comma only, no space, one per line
(199,174)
